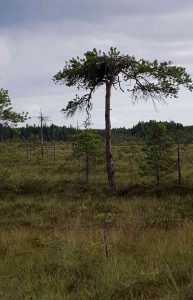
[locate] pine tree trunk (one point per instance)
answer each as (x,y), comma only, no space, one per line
(2,136)
(109,160)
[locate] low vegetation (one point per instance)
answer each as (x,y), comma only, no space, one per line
(64,238)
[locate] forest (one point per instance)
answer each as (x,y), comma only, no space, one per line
(54,133)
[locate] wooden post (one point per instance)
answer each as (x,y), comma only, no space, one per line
(105,236)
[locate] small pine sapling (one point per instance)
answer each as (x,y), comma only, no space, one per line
(158,155)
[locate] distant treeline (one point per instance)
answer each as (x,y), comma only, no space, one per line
(54,133)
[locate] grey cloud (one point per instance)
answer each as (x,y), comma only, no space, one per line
(36,37)
(170,28)
(30,12)
(145,7)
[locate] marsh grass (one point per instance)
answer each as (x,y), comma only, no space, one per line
(52,239)
(52,247)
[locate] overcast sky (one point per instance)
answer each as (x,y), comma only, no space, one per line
(38,36)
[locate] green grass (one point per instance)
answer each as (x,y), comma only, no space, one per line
(52,236)
(52,247)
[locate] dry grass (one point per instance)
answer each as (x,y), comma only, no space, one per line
(51,234)
(53,248)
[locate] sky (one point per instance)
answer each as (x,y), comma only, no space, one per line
(38,36)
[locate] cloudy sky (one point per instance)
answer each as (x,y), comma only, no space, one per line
(38,36)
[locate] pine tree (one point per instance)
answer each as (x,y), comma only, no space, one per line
(86,147)
(141,78)
(158,155)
